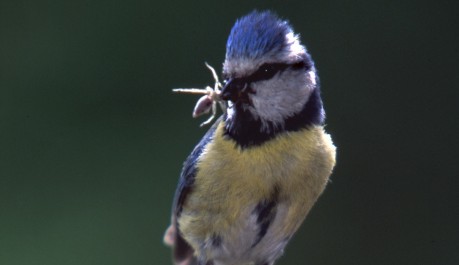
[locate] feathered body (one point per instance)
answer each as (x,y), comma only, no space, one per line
(248,185)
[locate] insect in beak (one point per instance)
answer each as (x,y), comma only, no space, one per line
(209,100)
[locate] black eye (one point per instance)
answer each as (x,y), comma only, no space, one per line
(266,71)
(267,68)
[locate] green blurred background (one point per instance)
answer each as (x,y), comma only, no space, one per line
(92,140)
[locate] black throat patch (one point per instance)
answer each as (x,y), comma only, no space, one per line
(246,130)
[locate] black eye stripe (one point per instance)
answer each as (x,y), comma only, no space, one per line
(268,70)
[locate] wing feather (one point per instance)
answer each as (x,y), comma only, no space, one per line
(183,252)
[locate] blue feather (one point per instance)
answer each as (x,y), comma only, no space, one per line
(257,34)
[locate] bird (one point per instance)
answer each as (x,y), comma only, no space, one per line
(249,183)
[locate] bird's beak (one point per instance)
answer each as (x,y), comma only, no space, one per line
(234,90)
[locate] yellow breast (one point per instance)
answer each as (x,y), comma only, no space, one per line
(229,179)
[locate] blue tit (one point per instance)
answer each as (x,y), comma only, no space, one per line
(248,185)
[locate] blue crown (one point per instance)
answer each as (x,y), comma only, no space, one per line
(257,34)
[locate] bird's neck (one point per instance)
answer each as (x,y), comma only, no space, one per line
(247,130)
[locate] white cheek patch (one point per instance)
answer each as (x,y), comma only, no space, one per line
(282,96)
(312,77)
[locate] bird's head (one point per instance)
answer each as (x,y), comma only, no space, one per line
(271,83)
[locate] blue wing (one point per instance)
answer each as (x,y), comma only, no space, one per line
(182,250)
